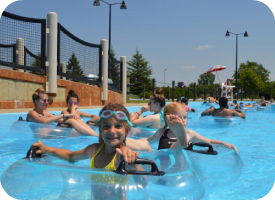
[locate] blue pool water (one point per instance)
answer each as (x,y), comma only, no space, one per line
(254,137)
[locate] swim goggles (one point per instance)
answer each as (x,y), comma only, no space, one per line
(119,115)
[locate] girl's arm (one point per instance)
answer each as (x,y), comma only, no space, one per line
(33,117)
(195,137)
(145,121)
(224,143)
(137,114)
(64,154)
(83,114)
(157,135)
(138,145)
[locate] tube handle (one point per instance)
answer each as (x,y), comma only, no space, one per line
(153,172)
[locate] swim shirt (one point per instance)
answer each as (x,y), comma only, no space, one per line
(165,142)
(110,166)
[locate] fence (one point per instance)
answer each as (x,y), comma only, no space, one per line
(23,46)
(114,73)
(82,59)
(22,43)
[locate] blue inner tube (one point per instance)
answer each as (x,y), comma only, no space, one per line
(45,131)
(52,178)
(187,175)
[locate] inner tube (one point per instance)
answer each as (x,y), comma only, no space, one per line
(51,178)
(141,132)
(45,131)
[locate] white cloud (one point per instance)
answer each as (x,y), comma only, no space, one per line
(189,67)
(203,47)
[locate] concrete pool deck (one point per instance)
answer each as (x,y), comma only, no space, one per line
(63,108)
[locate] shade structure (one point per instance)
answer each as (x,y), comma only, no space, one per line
(215,68)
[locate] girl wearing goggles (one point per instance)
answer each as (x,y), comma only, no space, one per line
(156,104)
(110,150)
(40,115)
(72,104)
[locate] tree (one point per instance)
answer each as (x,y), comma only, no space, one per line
(140,73)
(37,64)
(74,68)
(180,84)
(114,71)
(252,75)
(206,79)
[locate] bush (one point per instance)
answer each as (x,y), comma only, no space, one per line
(147,95)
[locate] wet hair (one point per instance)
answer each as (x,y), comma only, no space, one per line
(115,107)
(193,110)
(263,104)
(235,101)
(185,100)
(158,97)
(71,94)
(178,100)
(172,108)
(37,93)
(223,102)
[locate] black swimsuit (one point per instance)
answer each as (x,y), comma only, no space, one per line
(165,142)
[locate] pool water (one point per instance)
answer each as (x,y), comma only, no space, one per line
(254,138)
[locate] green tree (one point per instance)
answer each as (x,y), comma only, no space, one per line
(252,75)
(74,68)
(114,72)
(37,64)
(206,79)
(140,73)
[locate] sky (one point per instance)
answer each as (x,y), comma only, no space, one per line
(184,37)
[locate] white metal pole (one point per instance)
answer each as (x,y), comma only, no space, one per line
(51,69)
(63,67)
(104,78)
(20,52)
(124,79)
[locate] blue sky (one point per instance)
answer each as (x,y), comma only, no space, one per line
(184,37)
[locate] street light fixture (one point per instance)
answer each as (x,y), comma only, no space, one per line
(164,77)
(236,72)
(123,7)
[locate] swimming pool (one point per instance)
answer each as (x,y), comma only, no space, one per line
(254,137)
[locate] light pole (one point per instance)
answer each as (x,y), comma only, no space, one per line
(164,77)
(123,7)
(236,72)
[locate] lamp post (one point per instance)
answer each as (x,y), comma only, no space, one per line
(123,7)
(236,72)
(164,77)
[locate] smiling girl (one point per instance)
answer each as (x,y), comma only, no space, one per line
(114,127)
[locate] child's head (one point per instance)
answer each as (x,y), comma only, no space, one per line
(223,102)
(40,97)
(72,98)
(178,109)
(157,99)
(185,100)
(113,112)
